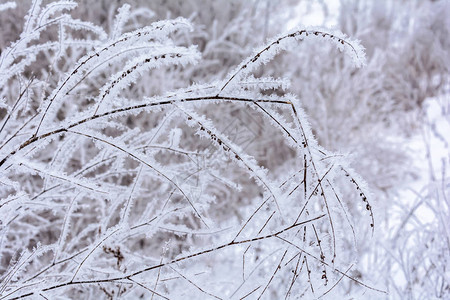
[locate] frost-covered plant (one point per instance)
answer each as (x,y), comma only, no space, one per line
(93,206)
(417,258)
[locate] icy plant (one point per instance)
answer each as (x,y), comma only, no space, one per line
(421,271)
(94,207)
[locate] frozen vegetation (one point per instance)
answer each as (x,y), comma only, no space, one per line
(223,149)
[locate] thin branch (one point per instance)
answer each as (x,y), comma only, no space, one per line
(294,34)
(274,273)
(332,268)
(176,260)
(148,289)
(337,282)
(194,284)
(154,168)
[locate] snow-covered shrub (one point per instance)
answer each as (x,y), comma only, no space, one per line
(94,204)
